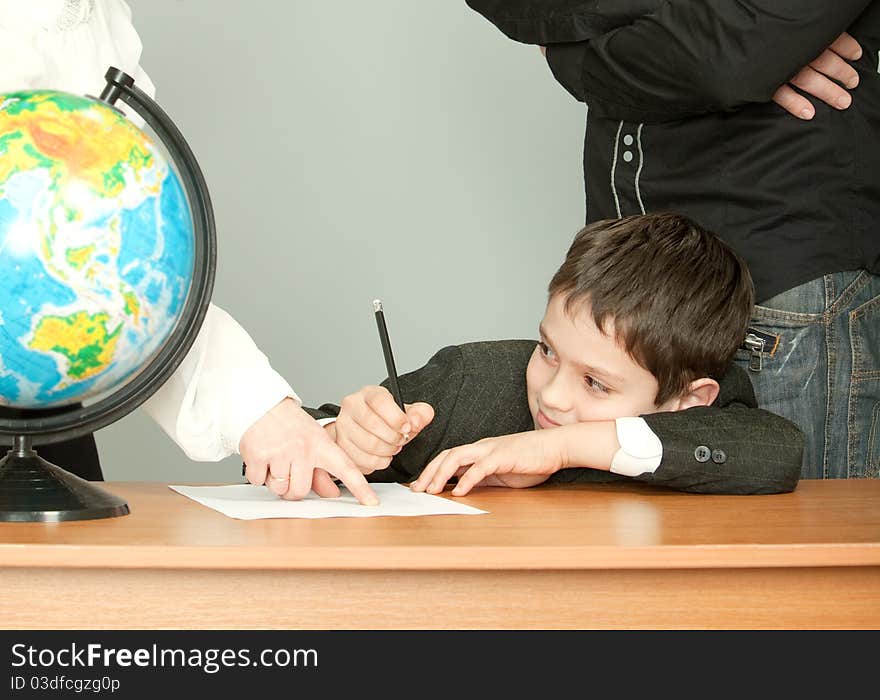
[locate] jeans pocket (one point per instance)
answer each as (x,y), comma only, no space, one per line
(793,380)
(796,365)
(864,323)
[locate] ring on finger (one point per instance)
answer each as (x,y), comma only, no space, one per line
(272,477)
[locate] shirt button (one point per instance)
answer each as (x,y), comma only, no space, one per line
(702,453)
(627,156)
(719,456)
(628,140)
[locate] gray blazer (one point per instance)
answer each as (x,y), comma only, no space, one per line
(478,390)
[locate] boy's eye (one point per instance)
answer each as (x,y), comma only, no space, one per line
(595,385)
(546,351)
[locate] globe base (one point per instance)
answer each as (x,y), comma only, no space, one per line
(35,490)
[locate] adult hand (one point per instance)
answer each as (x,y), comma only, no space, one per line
(288,451)
(818,79)
(518,461)
(371,428)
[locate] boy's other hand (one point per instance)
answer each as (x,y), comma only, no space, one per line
(518,461)
(821,78)
(371,428)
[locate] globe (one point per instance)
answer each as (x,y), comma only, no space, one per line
(96,249)
(107,262)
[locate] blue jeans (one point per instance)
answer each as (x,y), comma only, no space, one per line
(825,372)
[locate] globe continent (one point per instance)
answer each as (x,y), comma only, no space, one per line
(96,249)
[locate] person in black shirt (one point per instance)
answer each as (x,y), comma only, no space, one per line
(681,116)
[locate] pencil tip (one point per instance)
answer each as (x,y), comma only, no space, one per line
(377,305)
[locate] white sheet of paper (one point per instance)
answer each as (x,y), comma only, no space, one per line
(249,502)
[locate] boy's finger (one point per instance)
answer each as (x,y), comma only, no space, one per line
(371,422)
(420,415)
(366,462)
(457,457)
(442,474)
(381,401)
(474,475)
(367,441)
(428,472)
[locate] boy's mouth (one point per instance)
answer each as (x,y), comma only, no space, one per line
(543,421)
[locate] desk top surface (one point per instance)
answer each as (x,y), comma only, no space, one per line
(600,526)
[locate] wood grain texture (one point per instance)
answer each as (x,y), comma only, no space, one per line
(768,598)
(572,557)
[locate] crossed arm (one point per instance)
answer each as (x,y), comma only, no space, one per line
(650,61)
(821,78)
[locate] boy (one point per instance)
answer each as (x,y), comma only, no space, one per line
(632,378)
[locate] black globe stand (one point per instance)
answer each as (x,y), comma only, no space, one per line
(34,490)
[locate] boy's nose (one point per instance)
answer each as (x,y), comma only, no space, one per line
(556,395)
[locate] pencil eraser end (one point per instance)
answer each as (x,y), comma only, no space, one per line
(377,305)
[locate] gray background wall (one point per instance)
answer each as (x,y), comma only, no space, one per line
(398,149)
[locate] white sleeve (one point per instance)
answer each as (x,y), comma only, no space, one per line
(69,45)
(223,385)
(640,449)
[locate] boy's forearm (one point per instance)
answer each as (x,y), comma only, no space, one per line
(591,444)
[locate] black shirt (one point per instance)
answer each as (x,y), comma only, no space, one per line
(680,117)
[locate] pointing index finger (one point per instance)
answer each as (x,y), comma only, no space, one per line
(339,465)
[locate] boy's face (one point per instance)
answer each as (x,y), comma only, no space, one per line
(577,373)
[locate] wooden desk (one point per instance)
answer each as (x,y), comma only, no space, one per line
(587,557)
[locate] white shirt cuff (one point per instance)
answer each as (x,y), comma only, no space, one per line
(640,449)
(326,421)
(249,400)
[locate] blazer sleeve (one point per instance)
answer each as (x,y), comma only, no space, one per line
(750,450)
(688,58)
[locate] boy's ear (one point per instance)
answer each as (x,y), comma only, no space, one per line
(700,392)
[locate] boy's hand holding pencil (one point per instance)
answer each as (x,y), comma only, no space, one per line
(374,424)
(371,428)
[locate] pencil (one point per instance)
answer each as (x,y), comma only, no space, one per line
(386,350)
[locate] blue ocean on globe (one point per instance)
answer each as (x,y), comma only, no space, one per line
(96,249)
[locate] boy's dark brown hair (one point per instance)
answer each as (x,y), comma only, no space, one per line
(679,297)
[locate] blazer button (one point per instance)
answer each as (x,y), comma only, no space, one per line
(719,456)
(702,453)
